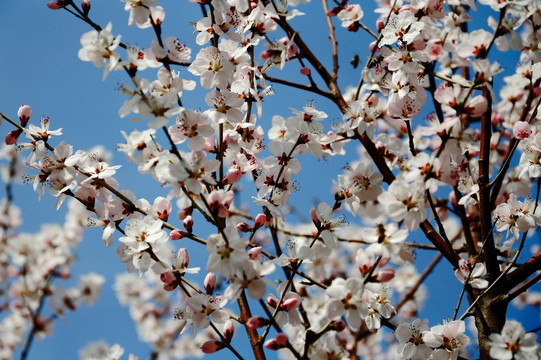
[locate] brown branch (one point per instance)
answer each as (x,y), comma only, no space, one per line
(485,208)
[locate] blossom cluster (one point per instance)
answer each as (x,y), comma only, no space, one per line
(321,287)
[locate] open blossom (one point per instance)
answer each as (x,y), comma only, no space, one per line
(140,11)
(403,201)
(141,236)
(448,339)
(514,343)
(351,14)
(474,273)
(213,67)
(99,48)
(410,336)
(401,27)
(322,218)
(516,216)
(346,298)
(192,126)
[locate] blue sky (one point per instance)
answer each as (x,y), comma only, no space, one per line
(39,66)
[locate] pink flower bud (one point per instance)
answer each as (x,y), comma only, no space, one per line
(260,220)
(57,4)
(292,49)
(229,330)
(379,24)
(13,136)
(255,252)
(289,304)
(265,54)
(271,300)
(256,322)
(85,5)
(305,71)
(209,283)
(24,114)
(333,12)
(339,325)
(385,275)
(537,91)
(277,343)
(211,346)
(177,234)
(313,216)
(169,280)
(188,223)
(522,130)
(233,175)
(281,338)
(243,227)
(272,344)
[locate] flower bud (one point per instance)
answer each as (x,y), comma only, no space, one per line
(229,330)
(57,4)
(256,322)
(177,234)
(260,220)
(277,343)
(289,304)
(211,346)
(13,136)
(271,300)
(255,253)
(305,71)
(24,114)
(209,283)
(233,175)
(281,338)
(85,5)
(385,275)
(313,216)
(243,227)
(338,326)
(188,223)
(379,25)
(169,280)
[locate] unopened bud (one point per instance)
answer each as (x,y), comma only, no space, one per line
(313,216)
(333,12)
(210,283)
(229,330)
(24,114)
(188,223)
(289,304)
(255,252)
(13,136)
(243,227)
(232,176)
(85,5)
(385,275)
(260,220)
(271,300)
(57,4)
(305,71)
(256,322)
(379,24)
(338,326)
(177,234)
(211,346)
(169,280)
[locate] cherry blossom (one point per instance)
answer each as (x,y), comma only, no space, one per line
(99,48)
